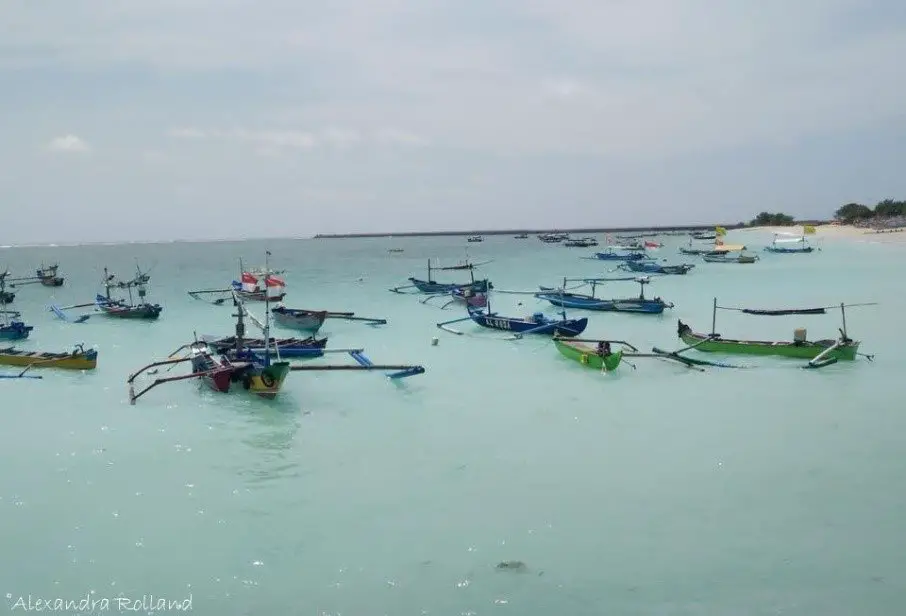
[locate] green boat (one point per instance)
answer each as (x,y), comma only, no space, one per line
(818,352)
(588,356)
(798,349)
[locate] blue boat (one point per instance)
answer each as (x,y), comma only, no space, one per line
(431,286)
(10,329)
(653,267)
(640,304)
(14,330)
(537,323)
(610,254)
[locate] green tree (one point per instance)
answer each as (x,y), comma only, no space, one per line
(852,212)
(889,207)
(778,219)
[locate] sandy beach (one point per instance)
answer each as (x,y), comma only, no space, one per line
(842,232)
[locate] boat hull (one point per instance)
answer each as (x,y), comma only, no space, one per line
(805,350)
(121,310)
(429,286)
(304,320)
(778,249)
(588,356)
(613,256)
(568,327)
(86,360)
(585,302)
(16,330)
(656,268)
(287,347)
(266,381)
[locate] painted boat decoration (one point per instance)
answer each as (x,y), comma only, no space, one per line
(431,286)
(653,267)
(820,353)
(78,359)
(567,299)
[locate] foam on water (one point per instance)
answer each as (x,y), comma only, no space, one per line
(651,491)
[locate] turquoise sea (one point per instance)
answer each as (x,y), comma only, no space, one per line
(651,491)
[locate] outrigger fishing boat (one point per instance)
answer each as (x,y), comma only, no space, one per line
(610,254)
(312,320)
(258,374)
(536,323)
(567,299)
(467,296)
(10,327)
(653,267)
(47,275)
(789,244)
(432,287)
(122,309)
(581,242)
(820,353)
(722,256)
(78,359)
(603,358)
(475,238)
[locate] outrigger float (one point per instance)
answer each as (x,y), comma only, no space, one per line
(220,368)
(819,353)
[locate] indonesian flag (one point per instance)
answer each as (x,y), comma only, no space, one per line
(249,282)
(275,286)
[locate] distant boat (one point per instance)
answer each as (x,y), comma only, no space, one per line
(581,242)
(475,238)
(394,250)
(521,236)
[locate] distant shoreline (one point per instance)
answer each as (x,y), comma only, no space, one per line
(649,229)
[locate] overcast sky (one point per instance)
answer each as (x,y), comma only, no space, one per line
(157,119)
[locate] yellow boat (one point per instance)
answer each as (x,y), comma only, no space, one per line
(79,359)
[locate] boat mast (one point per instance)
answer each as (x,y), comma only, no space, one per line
(714,319)
(267,310)
(107,283)
(843,314)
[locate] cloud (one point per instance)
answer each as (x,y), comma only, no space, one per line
(68,143)
(268,142)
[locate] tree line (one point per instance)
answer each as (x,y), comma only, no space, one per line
(849,214)
(856,212)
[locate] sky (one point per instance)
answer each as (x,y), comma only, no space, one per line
(193,119)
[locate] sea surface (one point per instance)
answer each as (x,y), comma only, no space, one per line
(654,490)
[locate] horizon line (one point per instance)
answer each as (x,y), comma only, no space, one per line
(460,232)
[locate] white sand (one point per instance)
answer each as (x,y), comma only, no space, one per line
(841,232)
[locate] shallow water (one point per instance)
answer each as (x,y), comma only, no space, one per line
(655,490)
